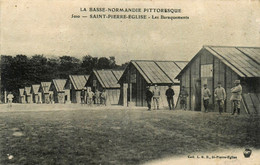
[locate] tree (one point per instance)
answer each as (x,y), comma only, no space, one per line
(89,63)
(20,71)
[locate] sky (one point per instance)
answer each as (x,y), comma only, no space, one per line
(45,27)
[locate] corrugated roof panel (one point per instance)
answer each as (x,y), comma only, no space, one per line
(99,78)
(103,77)
(254,53)
(108,78)
(141,72)
(35,88)
(239,60)
(27,90)
(153,72)
(78,81)
(59,84)
(226,62)
(181,64)
(118,73)
(21,91)
(46,86)
(170,68)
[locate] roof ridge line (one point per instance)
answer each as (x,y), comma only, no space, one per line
(231,46)
(164,71)
(227,61)
(247,55)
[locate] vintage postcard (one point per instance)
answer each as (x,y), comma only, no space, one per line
(130,82)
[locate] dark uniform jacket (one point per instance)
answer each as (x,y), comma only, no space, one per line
(149,95)
(169,93)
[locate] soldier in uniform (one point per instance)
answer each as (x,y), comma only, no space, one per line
(220,95)
(149,96)
(10,97)
(103,97)
(169,94)
(236,97)
(156,97)
(97,97)
(206,95)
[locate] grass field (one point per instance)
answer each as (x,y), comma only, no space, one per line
(118,136)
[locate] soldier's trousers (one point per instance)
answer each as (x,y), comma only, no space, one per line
(156,102)
(220,105)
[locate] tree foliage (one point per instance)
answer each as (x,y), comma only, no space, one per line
(20,71)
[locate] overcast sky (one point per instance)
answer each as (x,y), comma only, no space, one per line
(45,27)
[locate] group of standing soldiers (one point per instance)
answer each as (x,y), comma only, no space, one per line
(155,96)
(220,95)
(89,97)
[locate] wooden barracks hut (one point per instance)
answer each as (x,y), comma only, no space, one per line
(142,73)
(76,84)
(37,96)
(21,96)
(106,79)
(213,64)
(59,94)
(28,94)
(45,90)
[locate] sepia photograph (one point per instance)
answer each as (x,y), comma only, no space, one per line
(127,82)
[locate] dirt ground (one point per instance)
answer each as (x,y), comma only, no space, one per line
(75,134)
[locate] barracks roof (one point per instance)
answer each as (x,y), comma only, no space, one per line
(27,90)
(59,84)
(157,72)
(35,88)
(21,91)
(108,78)
(45,86)
(242,60)
(78,81)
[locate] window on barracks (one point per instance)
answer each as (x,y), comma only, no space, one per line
(207,70)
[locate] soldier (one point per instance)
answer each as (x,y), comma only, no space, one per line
(149,96)
(183,98)
(220,95)
(236,93)
(169,94)
(156,97)
(206,94)
(82,96)
(90,95)
(97,97)
(104,97)
(10,97)
(51,98)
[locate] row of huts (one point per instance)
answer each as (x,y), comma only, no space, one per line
(212,64)
(70,90)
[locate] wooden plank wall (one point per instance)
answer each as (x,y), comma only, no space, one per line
(77,97)
(139,89)
(46,97)
(73,96)
(113,96)
(186,83)
(219,76)
(195,75)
